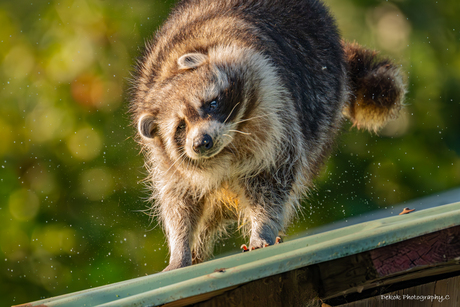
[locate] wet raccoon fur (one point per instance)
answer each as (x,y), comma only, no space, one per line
(237,104)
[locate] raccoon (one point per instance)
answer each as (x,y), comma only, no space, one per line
(237,104)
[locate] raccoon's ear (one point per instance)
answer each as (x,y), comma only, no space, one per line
(147,126)
(191,60)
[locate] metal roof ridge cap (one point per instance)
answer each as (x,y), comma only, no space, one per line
(414,217)
(91,291)
(141,280)
(203,280)
(409,224)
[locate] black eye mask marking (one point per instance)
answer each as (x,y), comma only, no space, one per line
(227,105)
(180,134)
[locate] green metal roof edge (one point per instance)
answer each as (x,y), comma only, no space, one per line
(170,286)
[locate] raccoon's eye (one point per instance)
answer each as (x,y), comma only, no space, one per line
(213,105)
(179,135)
(181,126)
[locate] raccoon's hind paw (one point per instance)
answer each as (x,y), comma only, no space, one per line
(244,247)
(376,86)
(177,264)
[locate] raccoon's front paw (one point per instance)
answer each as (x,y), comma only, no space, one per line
(259,244)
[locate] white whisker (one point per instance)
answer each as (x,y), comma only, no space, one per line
(248,119)
(183,154)
(231,113)
(228,135)
(245,133)
(179,163)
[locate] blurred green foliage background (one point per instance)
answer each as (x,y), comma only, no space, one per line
(70,191)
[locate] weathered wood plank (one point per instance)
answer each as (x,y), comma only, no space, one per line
(448,288)
(430,249)
(293,288)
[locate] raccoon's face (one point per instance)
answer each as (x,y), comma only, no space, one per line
(196,112)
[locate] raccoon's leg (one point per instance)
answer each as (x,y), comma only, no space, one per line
(214,224)
(269,207)
(180,219)
(206,235)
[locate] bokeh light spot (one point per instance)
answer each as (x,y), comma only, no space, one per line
(19,62)
(97,183)
(24,205)
(85,144)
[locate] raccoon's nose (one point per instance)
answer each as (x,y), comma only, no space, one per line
(202,143)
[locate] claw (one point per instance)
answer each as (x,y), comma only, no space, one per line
(406,210)
(245,248)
